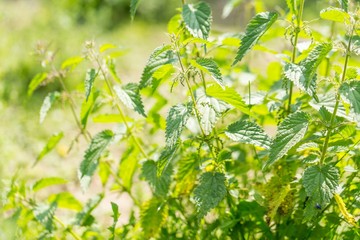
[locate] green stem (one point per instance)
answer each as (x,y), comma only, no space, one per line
(333,116)
(293,57)
(115,176)
(72,108)
(122,115)
(68,228)
(197,114)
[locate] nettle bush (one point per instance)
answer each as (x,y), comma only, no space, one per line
(251,135)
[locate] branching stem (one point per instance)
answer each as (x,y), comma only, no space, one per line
(122,115)
(195,104)
(333,116)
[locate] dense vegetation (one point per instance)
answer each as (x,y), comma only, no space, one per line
(249,135)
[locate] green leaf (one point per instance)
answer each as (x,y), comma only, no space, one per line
(228,95)
(325,115)
(197,18)
(230,5)
(71,62)
(66,200)
(129,95)
(249,133)
(335,14)
(289,133)
(210,67)
(161,56)
(84,218)
(304,74)
(314,58)
(87,107)
(115,216)
(257,26)
(45,215)
(328,102)
(110,118)
(133,7)
(128,165)
(159,184)
(210,110)
(320,182)
(176,121)
(106,46)
(46,105)
(350,92)
(344,4)
(89,81)
(166,155)
(153,215)
(50,145)
(46,182)
(188,168)
(292,6)
(91,159)
(209,193)
(35,82)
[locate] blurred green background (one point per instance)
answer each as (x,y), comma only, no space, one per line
(63,26)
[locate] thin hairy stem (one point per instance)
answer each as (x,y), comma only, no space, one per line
(333,116)
(121,113)
(68,228)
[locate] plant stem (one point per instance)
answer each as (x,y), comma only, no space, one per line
(333,116)
(72,108)
(122,115)
(68,228)
(293,57)
(195,104)
(128,191)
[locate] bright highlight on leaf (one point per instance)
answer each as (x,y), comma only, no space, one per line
(257,26)
(249,133)
(197,18)
(48,102)
(176,121)
(290,132)
(210,191)
(129,95)
(320,182)
(91,159)
(303,75)
(210,110)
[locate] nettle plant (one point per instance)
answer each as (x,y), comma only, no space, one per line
(260,133)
